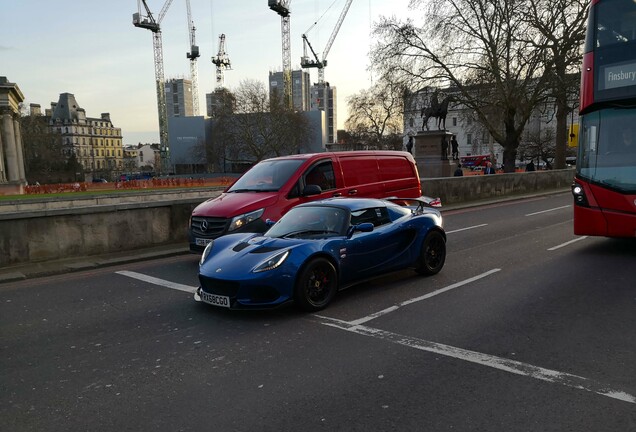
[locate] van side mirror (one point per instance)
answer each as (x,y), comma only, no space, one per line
(312,189)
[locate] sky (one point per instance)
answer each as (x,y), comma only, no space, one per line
(91,49)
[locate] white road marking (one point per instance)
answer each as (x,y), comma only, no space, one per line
(417,299)
(467,228)
(567,243)
(157,281)
(500,363)
(549,210)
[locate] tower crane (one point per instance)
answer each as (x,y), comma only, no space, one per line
(149,22)
(222,61)
(193,55)
(281,7)
(305,62)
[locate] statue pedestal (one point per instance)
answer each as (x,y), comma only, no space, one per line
(429,156)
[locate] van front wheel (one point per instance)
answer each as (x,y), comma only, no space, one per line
(316,285)
(432,255)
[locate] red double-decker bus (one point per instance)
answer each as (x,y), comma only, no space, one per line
(604,188)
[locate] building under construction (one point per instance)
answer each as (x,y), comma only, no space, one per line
(179,97)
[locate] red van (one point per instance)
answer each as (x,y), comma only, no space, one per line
(273,186)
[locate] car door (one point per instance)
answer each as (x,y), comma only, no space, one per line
(378,251)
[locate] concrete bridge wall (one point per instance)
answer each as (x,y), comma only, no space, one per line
(54,228)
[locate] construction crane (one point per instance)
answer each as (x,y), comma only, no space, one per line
(281,7)
(222,61)
(193,55)
(306,62)
(149,22)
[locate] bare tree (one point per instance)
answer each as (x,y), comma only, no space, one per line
(375,115)
(539,146)
(474,47)
(44,159)
(562,25)
(259,128)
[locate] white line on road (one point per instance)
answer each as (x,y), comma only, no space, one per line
(467,228)
(157,281)
(567,243)
(424,297)
(549,210)
(500,363)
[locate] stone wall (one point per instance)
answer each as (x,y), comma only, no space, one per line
(48,229)
(453,190)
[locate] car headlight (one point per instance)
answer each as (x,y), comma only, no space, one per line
(272,262)
(241,220)
(206,252)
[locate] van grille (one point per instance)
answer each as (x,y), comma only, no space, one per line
(215,227)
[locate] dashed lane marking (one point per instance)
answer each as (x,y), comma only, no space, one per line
(567,243)
(423,297)
(549,210)
(157,281)
(467,228)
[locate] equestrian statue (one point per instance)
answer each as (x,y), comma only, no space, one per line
(437,110)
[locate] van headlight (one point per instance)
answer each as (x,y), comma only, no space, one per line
(241,220)
(206,252)
(272,262)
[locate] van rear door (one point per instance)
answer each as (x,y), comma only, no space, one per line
(400,176)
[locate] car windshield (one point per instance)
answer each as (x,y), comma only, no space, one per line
(311,222)
(266,176)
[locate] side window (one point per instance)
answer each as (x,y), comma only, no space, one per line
(321,175)
(377,216)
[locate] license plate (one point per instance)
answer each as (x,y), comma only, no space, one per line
(202,242)
(216,300)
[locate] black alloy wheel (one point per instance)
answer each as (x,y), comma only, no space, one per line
(433,254)
(316,285)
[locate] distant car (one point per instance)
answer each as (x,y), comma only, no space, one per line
(100,180)
(318,248)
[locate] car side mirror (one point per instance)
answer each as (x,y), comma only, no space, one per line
(363,227)
(312,189)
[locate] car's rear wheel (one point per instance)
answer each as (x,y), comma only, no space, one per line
(433,254)
(316,285)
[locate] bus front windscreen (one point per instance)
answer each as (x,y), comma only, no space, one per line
(607,149)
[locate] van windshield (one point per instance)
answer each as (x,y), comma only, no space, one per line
(267,176)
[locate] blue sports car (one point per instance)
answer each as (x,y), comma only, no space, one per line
(317,248)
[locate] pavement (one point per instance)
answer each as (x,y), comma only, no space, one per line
(40,269)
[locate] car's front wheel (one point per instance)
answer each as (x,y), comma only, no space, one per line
(316,285)
(433,254)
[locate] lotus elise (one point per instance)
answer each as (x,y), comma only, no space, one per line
(318,248)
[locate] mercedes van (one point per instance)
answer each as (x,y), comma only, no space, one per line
(273,186)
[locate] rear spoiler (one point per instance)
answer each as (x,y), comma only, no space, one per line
(419,202)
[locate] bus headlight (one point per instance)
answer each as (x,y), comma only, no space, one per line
(579,195)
